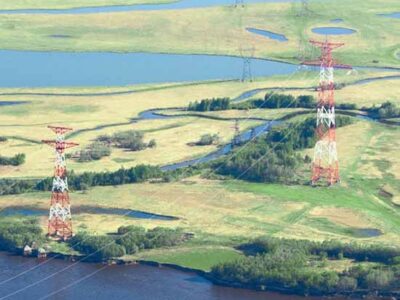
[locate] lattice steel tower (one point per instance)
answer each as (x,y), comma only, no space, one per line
(239,2)
(60,219)
(247,55)
(325,164)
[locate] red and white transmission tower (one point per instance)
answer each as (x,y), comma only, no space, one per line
(325,164)
(60,219)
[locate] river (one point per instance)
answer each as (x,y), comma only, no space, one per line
(182,4)
(133,282)
(73,69)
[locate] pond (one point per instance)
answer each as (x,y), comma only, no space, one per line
(34,212)
(268,34)
(333,31)
(395,15)
(71,69)
(11,103)
(183,4)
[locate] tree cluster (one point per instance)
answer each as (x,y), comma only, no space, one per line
(285,264)
(16,160)
(15,234)
(130,139)
(85,180)
(94,151)
(213,104)
(128,240)
(384,111)
(272,157)
(208,139)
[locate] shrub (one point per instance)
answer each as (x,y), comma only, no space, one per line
(16,160)
(208,139)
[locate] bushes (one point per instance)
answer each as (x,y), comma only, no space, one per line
(95,151)
(14,186)
(97,248)
(210,104)
(254,164)
(16,160)
(208,139)
(3,139)
(385,111)
(129,240)
(130,139)
(284,264)
(136,174)
(15,234)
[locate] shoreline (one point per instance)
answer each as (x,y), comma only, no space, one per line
(357,294)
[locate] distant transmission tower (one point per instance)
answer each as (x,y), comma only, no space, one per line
(247,55)
(325,164)
(236,135)
(304,8)
(60,219)
(239,3)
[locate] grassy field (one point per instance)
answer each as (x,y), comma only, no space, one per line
(47,4)
(26,125)
(224,213)
(215,30)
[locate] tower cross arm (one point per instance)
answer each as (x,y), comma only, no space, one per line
(318,62)
(65,145)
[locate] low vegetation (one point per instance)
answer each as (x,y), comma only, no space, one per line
(128,240)
(213,104)
(208,139)
(384,111)
(130,139)
(273,157)
(299,266)
(16,233)
(3,139)
(16,160)
(94,151)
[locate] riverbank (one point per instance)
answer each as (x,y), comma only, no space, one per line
(211,30)
(356,294)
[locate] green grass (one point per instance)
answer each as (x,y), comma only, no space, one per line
(194,258)
(214,30)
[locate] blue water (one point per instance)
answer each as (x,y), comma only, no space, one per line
(183,4)
(32,212)
(11,103)
(333,31)
(244,137)
(395,15)
(268,34)
(62,69)
(336,20)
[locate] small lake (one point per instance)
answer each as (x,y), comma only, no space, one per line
(33,212)
(73,69)
(337,20)
(183,4)
(269,34)
(333,31)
